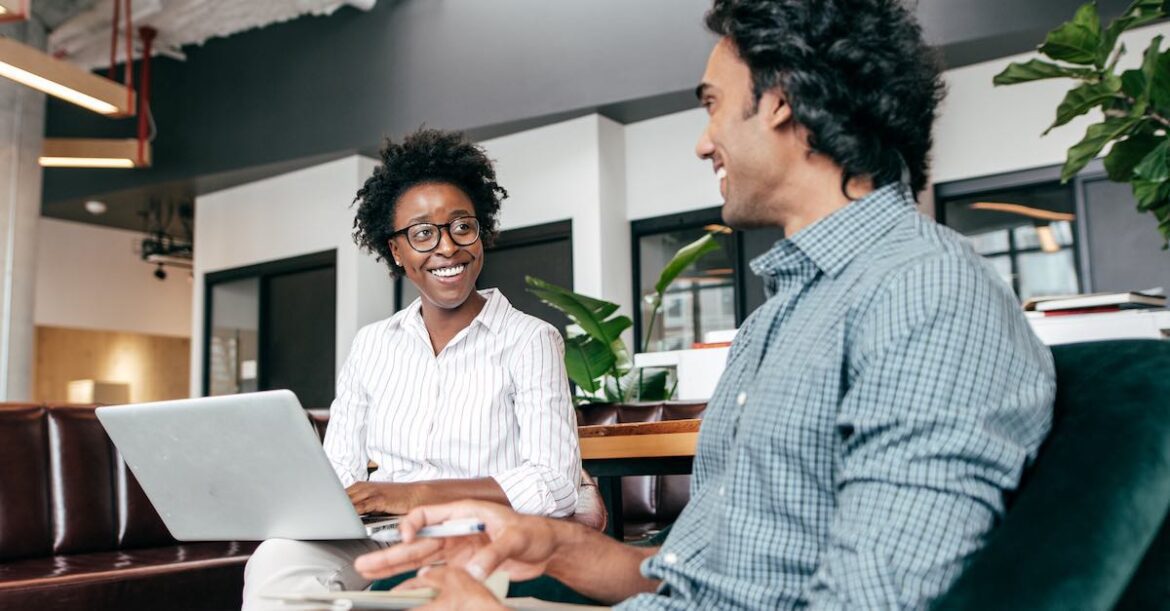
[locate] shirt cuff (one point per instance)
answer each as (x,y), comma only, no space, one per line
(538,491)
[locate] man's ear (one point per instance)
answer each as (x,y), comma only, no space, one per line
(774,109)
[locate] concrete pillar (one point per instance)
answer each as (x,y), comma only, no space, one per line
(22,128)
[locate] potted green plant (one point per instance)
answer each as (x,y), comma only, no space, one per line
(596,357)
(1135,103)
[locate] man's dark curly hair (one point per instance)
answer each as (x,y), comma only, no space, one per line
(856,73)
(426,156)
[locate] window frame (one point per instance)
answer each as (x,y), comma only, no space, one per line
(1032,177)
(694,219)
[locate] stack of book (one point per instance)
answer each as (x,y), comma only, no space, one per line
(1094,303)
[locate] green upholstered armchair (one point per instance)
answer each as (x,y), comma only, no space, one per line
(1088,529)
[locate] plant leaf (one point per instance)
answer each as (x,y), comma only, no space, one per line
(584,311)
(586,360)
(623,363)
(1160,82)
(1151,177)
(1096,137)
(684,258)
(1035,70)
(1139,13)
(1078,41)
(1149,74)
(1083,99)
(653,386)
(1126,154)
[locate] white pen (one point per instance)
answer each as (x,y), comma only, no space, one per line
(450,528)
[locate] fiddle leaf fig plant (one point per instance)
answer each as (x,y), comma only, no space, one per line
(596,357)
(1134,103)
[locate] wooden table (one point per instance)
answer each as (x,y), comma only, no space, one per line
(612,451)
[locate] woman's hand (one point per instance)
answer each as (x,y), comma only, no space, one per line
(385,497)
(518,544)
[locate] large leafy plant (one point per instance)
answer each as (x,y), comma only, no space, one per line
(596,356)
(1135,103)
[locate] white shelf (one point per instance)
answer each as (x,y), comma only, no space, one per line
(1126,324)
(697,371)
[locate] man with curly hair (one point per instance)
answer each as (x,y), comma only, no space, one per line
(874,411)
(458,395)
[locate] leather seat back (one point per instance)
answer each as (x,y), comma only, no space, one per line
(69,492)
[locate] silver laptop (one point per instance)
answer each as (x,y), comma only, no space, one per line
(235,468)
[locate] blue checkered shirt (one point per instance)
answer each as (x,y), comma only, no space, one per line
(872,415)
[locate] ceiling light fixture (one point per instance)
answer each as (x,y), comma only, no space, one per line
(95,153)
(1028,211)
(34,68)
(13,10)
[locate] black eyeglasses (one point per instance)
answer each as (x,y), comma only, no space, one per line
(424,237)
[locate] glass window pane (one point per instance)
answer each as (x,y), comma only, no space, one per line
(700,300)
(1026,237)
(1047,273)
(1003,267)
(989,242)
(235,324)
(1063,232)
(1032,226)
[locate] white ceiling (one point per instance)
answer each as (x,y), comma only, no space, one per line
(84,38)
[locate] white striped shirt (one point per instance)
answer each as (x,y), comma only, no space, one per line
(494,403)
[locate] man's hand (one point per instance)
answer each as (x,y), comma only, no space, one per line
(385,497)
(520,545)
(457,590)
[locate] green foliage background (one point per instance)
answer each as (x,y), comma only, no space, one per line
(1135,103)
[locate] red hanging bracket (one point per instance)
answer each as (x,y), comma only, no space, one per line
(147,35)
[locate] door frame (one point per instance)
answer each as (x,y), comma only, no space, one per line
(262,272)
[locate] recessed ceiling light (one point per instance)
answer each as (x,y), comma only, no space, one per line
(95,207)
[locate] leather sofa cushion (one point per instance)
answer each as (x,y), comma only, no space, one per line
(81,473)
(139,524)
(24,490)
(320,420)
(182,577)
(55,571)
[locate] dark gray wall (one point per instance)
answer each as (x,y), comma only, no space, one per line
(272,100)
(340,83)
(1125,248)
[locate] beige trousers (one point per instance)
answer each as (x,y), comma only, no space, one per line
(283,566)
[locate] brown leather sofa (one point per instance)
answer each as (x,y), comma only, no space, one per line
(77,532)
(649,503)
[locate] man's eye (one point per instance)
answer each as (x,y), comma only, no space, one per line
(463,227)
(422,233)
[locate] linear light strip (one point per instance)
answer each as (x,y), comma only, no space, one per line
(57,90)
(86,162)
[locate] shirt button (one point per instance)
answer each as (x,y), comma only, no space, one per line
(741,399)
(670,558)
(722,491)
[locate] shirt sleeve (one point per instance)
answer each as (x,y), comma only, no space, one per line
(345,437)
(546,480)
(950,395)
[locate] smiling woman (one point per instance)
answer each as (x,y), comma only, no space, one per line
(458,395)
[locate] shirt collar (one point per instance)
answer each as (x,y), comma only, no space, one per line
(833,242)
(491,316)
